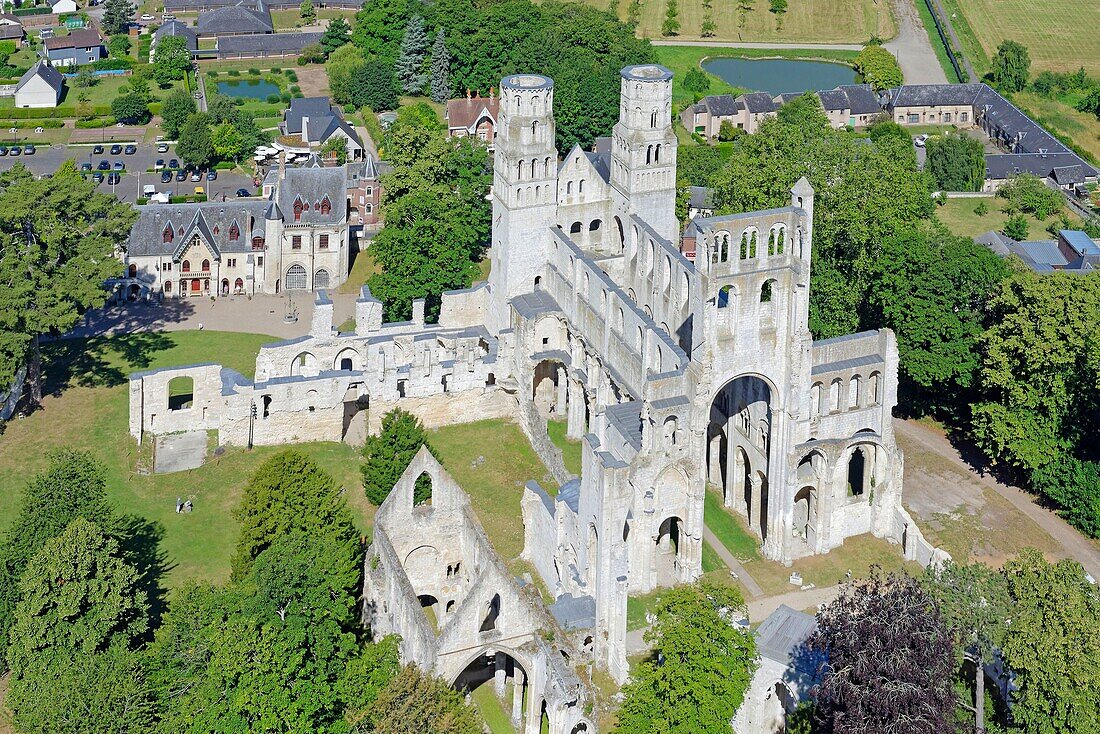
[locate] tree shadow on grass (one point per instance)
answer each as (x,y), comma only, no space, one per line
(140,538)
(100,361)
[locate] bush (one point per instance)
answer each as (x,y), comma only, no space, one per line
(212,73)
(291,75)
(981,209)
(273,99)
(253,71)
(1072,484)
(294,89)
(233,72)
(276,70)
(120,64)
(1016,227)
(285,97)
(95,124)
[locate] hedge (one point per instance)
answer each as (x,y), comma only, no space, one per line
(116,64)
(95,124)
(49,123)
(40,10)
(31,113)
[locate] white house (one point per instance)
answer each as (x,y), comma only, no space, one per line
(60,7)
(41,86)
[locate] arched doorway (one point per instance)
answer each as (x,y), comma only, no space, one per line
(497,685)
(668,550)
(238,286)
(134,292)
(804,525)
(225,286)
(196,287)
(545,388)
(741,418)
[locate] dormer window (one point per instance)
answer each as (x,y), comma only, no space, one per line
(169,235)
(326,208)
(299,207)
(234,232)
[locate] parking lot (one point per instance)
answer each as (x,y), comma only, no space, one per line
(138,170)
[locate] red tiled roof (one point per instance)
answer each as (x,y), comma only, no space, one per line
(463,113)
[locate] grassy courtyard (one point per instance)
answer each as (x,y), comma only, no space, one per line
(570,448)
(959,216)
(818,21)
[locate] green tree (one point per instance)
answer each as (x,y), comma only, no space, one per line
(1017,227)
(889,659)
(957,162)
(671,25)
(288,493)
(307,12)
(132,109)
(727,131)
(1053,646)
(57,247)
(699,164)
(696,80)
(77,595)
(339,67)
(932,289)
(1071,483)
(314,577)
(171,60)
(708,28)
(116,16)
(1011,67)
(1027,193)
(409,67)
(119,46)
(335,35)
(374,85)
(441,69)
(229,144)
(379,28)
(195,144)
(702,669)
(414,701)
(976,608)
(85,694)
(878,67)
(85,78)
(174,111)
(387,455)
(337,148)
(779,9)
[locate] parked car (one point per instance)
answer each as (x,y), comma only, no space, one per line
(159,165)
(83,166)
(28,149)
(130,149)
(181,175)
(244,192)
(200,191)
(167,17)
(212,175)
(173,163)
(14,150)
(98,150)
(147,17)
(920,140)
(166,177)
(196,176)
(97,177)
(3,150)
(119,165)
(114,178)
(104,166)
(162,148)
(116,150)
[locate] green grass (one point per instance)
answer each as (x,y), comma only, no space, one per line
(934,39)
(492,711)
(729,529)
(818,21)
(636,608)
(363,266)
(711,561)
(284,20)
(682,58)
(1062,116)
(86,407)
(570,449)
(492,460)
(958,215)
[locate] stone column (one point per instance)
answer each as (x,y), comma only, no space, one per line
(518,682)
(500,674)
(754,509)
(575,413)
(562,388)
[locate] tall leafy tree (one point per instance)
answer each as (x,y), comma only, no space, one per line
(409,66)
(889,660)
(116,16)
(1053,646)
(307,12)
(131,108)
(878,67)
(335,35)
(1011,66)
(288,493)
(78,595)
(195,144)
(976,608)
(387,455)
(704,665)
(414,701)
(58,236)
(441,69)
(174,111)
(171,60)
(957,162)
(373,84)
(379,27)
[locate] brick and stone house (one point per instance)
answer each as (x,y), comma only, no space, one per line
(474,116)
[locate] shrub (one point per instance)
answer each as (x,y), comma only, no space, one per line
(981,209)
(1016,227)
(294,89)
(285,97)
(273,98)
(119,64)
(233,72)
(276,70)
(212,73)
(95,124)
(291,75)
(253,71)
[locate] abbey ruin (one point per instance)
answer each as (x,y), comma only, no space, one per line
(674,373)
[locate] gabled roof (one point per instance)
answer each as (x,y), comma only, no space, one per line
(176,28)
(700,197)
(9,19)
(758,102)
(9,32)
(322,115)
(147,234)
(312,185)
(934,95)
(46,73)
(234,19)
(466,113)
(834,99)
(269,42)
(1005,165)
(721,105)
(1069,174)
(83,38)
(862,99)
(304,107)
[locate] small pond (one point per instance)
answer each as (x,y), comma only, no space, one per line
(780,76)
(248,88)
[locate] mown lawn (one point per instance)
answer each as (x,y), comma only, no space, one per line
(87,408)
(959,216)
(363,266)
(570,448)
(1063,117)
(493,712)
(729,528)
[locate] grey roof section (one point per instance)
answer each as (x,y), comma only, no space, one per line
(365,170)
(147,234)
(601,164)
(782,637)
(319,110)
(996,242)
(834,99)
(627,419)
(529,305)
(853,363)
(1040,255)
(570,494)
(45,72)
(721,105)
(1066,175)
(862,99)
(176,28)
(1006,165)
(1081,243)
(311,185)
(574,612)
(10,32)
(272,43)
(304,107)
(235,19)
(701,197)
(1014,127)
(934,95)
(758,102)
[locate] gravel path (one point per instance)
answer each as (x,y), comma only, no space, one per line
(913,48)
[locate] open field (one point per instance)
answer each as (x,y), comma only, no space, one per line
(1063,117)
(958,216)
(817,21)
(1059,34)
(288,20)
(87,408)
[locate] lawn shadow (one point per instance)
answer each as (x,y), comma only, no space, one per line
(139,539)
(87,363)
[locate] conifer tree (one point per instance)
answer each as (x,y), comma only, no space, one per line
(441,69)
(410,62)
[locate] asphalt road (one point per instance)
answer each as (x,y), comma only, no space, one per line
(138,171)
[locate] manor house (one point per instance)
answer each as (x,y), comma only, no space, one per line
(678,377)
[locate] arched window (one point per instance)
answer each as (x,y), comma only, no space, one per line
(568,187)
(320,279)
(181,392)
(186,267)
(533,162)
(780,236)
(519,170)
(724,296)
(169,235)
(580,187)
(299,207)
(594,225)
(771,242)
(767,291)
(752,244)
(653,119)
(648,154)
(326,207)
(668,274)
(167,286)
(205,266)
(744,245)
(873,383)
(535,129)
(234,232)
(657,154)
(257,243)
(295,278)
(575,228)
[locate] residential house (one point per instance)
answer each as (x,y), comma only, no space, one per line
(1073,251)
(234,20)
(41,86)
(80,47)
(265,45)
(60,7)
(700,201)
(706,116)
(474,116)
(175,28)
(851,105)
(315,120)
(11,29)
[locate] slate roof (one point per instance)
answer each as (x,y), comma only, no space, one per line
(312,185)
(934,95)
(834,99)
(464,113)
(147,234)
(1080,242)
(781,637)
(862,100)
(322,116)
(235,19)
(176,28)
(10,32)
(44,71)
(1005,165)
(267,42)
(721,105)
(1065,175)
(700,197)
(758,102)
(83,38)
(574,612)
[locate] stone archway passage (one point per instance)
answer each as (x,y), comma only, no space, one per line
(741,418)
(497,680)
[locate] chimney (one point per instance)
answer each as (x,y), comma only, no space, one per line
(492,92)
(477,94)
(469,94)
(282,165)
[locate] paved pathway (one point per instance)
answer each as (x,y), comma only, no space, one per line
(753,44)
(742,575)
(913,48)
(1074,544)
(800,600)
